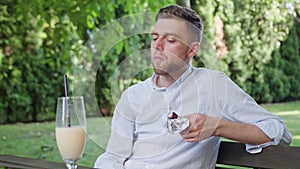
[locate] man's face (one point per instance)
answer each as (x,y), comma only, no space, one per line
(169,46)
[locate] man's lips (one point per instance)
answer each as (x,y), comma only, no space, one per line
(157,58)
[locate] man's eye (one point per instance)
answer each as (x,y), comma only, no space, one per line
(154,38)
(171,40)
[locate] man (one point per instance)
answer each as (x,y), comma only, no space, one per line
(214,105)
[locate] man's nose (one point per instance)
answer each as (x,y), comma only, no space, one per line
(159,44)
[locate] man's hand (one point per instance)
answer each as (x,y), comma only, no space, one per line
(201,127)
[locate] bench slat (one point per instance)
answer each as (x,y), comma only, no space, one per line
(282,156)
(28,163)
(230,153)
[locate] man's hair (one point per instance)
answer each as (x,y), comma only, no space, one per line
(185,13)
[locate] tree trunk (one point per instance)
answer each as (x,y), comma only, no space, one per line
(186,3)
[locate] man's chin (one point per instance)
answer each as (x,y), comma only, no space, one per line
(160,71)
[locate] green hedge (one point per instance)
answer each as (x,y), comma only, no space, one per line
(41,39)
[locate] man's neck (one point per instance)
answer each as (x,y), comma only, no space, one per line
(166,80)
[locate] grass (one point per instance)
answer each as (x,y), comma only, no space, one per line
(37,140)
(289,112)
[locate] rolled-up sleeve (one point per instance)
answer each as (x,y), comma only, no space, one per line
(275,130)
(240,107)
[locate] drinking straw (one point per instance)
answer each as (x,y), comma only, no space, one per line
(67,100)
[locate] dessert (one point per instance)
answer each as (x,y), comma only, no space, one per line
(176,123)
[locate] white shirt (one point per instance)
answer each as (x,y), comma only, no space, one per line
(139,137)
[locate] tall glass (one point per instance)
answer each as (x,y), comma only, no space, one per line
(70,129)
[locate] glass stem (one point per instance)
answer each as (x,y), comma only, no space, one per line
(71,164)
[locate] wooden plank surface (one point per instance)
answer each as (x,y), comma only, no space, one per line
(281,157)
(28,163)
(230,153)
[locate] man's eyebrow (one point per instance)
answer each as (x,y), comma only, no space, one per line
(165,34)
(154,33)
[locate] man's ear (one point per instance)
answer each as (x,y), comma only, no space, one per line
(194,47)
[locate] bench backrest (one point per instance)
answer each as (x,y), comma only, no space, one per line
(281,156)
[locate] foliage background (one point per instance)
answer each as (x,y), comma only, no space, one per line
(255,42)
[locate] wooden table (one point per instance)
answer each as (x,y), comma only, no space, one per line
(10,161)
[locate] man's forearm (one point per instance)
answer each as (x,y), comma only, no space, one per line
(245,133)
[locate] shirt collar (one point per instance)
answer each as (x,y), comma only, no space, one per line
(175,84)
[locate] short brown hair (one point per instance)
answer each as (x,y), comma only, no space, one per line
(184,13)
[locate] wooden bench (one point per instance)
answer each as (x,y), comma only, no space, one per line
(230,153)
(10,162)
(281,156)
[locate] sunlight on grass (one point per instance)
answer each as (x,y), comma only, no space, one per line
(297,137)
(296,140)
(287,113)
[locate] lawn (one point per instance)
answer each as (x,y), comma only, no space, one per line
(290,113)
(37,140)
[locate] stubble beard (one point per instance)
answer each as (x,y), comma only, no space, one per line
(169,71)
(159,71)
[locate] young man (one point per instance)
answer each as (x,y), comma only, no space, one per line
(214,105)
